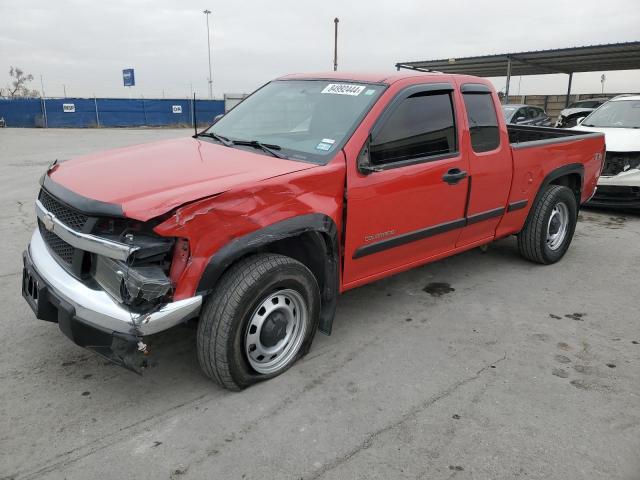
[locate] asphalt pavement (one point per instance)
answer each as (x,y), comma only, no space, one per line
(480,366)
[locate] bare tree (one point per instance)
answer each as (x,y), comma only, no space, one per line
(18,86)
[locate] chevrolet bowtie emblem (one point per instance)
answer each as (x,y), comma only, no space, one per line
(47,221)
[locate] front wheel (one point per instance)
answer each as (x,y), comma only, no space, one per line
(549,228)
(259,320)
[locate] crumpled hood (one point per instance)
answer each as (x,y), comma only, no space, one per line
(617,139)
(151,179)
(571,111)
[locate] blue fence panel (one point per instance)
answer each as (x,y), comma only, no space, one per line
(168,112)
(79,112)
(120,112)
(206,110)
(21,112)
(112,112)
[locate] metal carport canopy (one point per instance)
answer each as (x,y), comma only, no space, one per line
(594,58)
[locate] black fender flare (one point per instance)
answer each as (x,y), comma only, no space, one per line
(291,227)
(559,172)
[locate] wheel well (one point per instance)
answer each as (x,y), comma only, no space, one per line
(572,181)
(317,251)
(311,239)
(309,248)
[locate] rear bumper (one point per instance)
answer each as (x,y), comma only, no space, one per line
(90,317)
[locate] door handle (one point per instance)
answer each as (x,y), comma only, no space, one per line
(453,176)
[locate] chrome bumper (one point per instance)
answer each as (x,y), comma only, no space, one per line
(97,308)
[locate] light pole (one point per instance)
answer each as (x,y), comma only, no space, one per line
(207,13)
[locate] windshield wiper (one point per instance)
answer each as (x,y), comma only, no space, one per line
(223,140)
(265,147)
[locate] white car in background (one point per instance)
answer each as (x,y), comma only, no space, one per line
(619,120)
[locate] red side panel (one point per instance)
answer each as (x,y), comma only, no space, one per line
(531,165)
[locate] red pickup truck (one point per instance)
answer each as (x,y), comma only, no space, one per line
(313,185)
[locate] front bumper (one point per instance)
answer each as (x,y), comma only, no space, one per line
(618,191)
(616,196)
(90,317)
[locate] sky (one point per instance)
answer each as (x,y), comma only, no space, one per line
(84,45)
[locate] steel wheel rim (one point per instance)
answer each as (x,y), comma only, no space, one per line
(285,313)
(558,226)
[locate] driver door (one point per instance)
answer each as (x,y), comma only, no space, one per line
(409,206)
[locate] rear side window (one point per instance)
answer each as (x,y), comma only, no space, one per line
(421,126)
(483,121)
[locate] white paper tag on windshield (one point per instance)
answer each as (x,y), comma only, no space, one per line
(343,89)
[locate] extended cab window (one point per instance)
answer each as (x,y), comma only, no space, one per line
(422,125)
(483,121)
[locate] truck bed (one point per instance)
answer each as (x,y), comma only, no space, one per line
(523,136)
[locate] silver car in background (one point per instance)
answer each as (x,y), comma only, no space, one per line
(520,114)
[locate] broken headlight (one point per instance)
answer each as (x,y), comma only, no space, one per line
(143,280)
(134,286)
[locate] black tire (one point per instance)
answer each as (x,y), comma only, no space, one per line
(225,317)
(533,239)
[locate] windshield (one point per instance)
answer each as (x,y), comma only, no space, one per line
(618,114)
(586,104)
(508,112)
(305,119)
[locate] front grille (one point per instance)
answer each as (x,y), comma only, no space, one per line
(67,215)
(62,249)
(74,260)
(618,162)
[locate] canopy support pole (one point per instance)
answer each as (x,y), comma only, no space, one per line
(506,93)
(566,103)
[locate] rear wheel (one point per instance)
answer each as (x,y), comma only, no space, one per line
(549,228)
(259,320)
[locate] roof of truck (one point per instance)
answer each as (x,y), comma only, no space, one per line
(367,77)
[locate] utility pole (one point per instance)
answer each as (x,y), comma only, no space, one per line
(603,79)
(64,88)
(335,44)
(207,13)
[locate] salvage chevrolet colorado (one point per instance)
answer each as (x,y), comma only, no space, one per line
(313,185)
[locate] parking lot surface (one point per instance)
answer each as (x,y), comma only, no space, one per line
(480,366)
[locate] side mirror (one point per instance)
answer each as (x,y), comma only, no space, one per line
(580,120)
(364,160)
(520,119)
(217,117)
